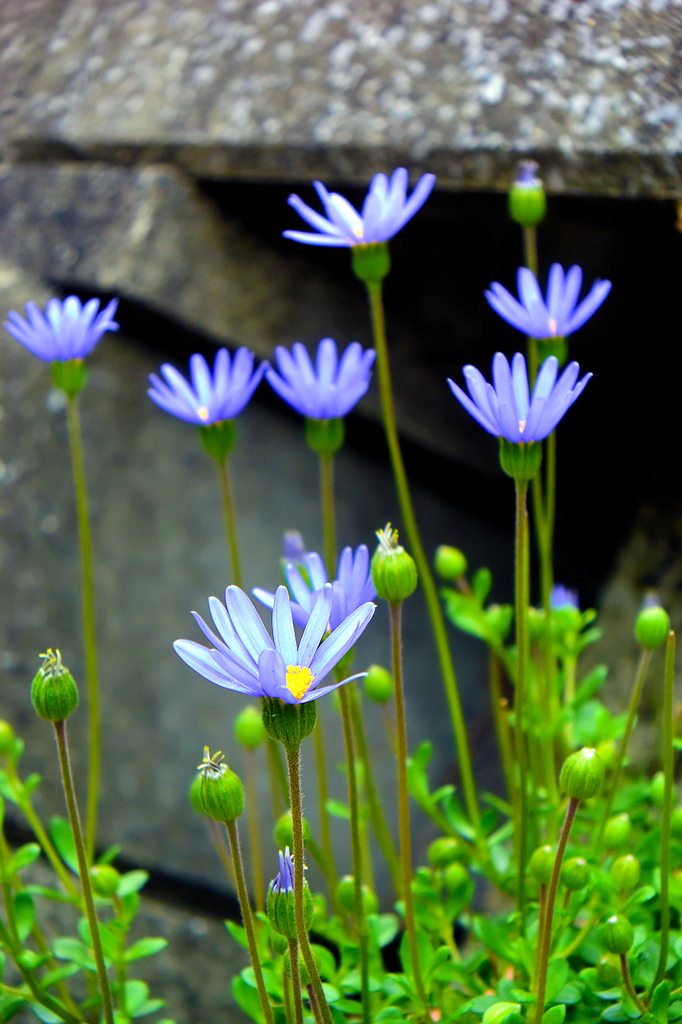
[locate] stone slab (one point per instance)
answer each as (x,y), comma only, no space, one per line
(283,90)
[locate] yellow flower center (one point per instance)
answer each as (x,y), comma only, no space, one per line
(522,425)
(357,231)
(552,327)
(299,679)
(202,412)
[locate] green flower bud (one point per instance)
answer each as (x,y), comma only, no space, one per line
(53,691)
(582,774)
(325,437)
(652,627)
(541,864)
(69,377)
(527,204)
(657,790)
(520,461)
(503,1013)
(443,851)
(248,727)
(288,723)
(617,831)
(676,822)
(280,899)
(345,894)
(608,971)
(278,944)
(283,832)
(606,752)
(617,934)
(450,563)
(105,880)
(219,794)
(371,262)
(6,737)
(394,573)
(378,684)
(218,439)
(575,873)
(455,876)
(625,873)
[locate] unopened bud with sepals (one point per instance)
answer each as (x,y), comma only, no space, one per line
(582,774)
(394,573)
(54,693)
(219,794)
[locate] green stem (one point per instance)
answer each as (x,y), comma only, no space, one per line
(395,611)
(423,567)
(230,521)
(328,515)
(521,606)
(530,249)
(295,980)
(629,987)
(218,841)
(83,870)
(294,762)
(12,944)
(376,812)
(640,679)
(325,829)
(89,638)
(501,724)
(254,834)
(668,762)
(549,912)
(314,1005)
(247,918)
(286,993)
(356,853)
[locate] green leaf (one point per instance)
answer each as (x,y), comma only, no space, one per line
(675,1010)
(24,914)
(555,1014)
(492,935)
(42,1013)
(52,977)
(385,928)
(238,933)
(67,948)
(590,685)
(109,855)
(150,1006)
(557,976)
(337,809)
(51,894)
(137,994)
(110,946)
(145,947)
(247,999)
(481,582)
(660,1000)
(31,783)
(5,789)
(24,856)
(10,1006)
(132,881)
(60,834)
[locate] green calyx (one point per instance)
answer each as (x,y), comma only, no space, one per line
(7,738)
(248,727)
(54,693)
(527,203)
(444,851)
(394,573)
(345,894)
(69,377)
(582,774)
(652,627)
(552,347)
(520,461)
(325,437)
(617,934)
(575,873)
(288,723)
(625,873)
(218,439)
(541,864)
(105,880)
(450,563)
(379,684)
(281,910)
(219,794)
(371,261)
(617,831)
(283,832)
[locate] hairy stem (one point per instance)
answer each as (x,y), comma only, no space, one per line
(254,833)
(325,829)
(521,607)
(230,521)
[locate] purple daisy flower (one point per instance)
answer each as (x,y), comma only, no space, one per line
(245,658)
(507,410)
(558,315)
(328,390)
(351,589)
(208,399)
(284,879)
(385,211)
(563,597)
(67,330)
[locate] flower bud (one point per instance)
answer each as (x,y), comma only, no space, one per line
(69,376)
(582,774)
(527,204)
(503,1013)
(248,727)
(443,851)
(378,684)
(652,626)
(53,691)
(325,437)
(280,899)
(520,461)
(105,880)
(625,873)
(394,573)
(676,822)
(345,894)
(617,831)
(537,624)
(283,832)
(288,723)
(608,971)
(219,793)
(498,618)
(456,876)
(218,439)
(6,737)
(371,262)
(606,752)
(541,864)
(575,873)
(450,563)
(617,934)
(657,790)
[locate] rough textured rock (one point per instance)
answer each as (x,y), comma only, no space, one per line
(160,551)
(280,90)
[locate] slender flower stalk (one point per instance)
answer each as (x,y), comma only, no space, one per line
(247,918)
(322,796)
(230,521)
(314,1006)
(218,840)
(521,576)
(395,612)
(328,512)
(254,835)
(295,980)
(668,769)
(83,870)
(629,987)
